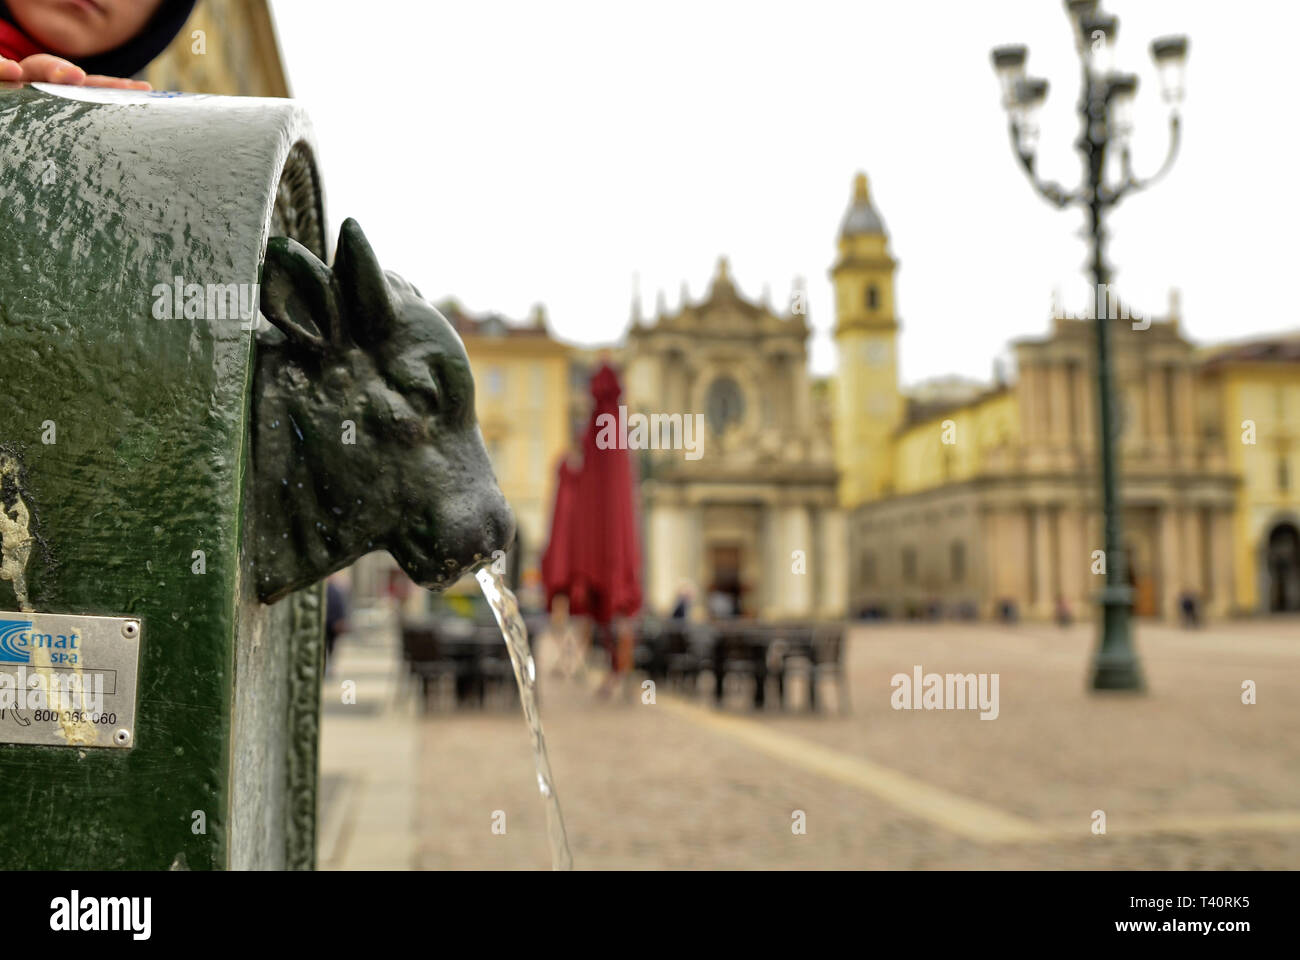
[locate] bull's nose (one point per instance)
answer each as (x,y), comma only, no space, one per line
(500,525)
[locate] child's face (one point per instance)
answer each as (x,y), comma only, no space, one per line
(82,28)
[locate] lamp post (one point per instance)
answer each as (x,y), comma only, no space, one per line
(1105,101)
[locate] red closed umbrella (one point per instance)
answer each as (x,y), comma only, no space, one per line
(557,559)
(594,554)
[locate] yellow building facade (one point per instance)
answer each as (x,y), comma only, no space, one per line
(1253,392)
(985,500)
(986,424)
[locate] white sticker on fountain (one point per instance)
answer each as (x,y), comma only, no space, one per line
(112,95)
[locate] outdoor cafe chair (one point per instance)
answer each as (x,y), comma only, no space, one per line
(425,659)
(740,649)
(490,667)
(828,661)
(652,642)
(789,651)
(685,646)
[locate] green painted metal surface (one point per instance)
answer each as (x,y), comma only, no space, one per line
(99,204)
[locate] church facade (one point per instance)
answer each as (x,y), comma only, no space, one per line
(753,515)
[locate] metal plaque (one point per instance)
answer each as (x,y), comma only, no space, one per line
(68,681)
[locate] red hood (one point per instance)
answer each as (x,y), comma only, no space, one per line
(14,44)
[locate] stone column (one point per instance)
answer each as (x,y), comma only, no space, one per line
(1167,570)
(1008,557)
(1023,520)
(832,566)
(796,593)
(665,556)
(1074,558)
(991,568)
(1222,563)
(1042,565)
(1016,557)
(1190,553)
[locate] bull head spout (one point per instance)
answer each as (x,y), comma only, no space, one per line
(364,434)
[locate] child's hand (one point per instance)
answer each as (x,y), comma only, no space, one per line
(45,68)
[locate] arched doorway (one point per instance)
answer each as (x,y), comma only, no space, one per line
(1282,564)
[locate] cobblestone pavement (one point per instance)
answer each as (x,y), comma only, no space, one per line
(1186,775)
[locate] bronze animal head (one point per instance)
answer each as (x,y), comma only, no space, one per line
(364,433)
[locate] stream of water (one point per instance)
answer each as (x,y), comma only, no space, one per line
(506,608)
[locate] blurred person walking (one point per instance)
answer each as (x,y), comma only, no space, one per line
(685,597)
(336,618)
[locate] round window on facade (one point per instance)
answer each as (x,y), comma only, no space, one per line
(725,405)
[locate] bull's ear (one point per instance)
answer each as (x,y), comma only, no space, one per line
(367,302)
(299,294)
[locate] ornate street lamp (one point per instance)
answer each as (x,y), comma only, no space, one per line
(1104,108)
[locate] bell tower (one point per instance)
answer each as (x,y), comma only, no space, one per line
(868,404)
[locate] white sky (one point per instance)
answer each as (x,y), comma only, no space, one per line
(515,153)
